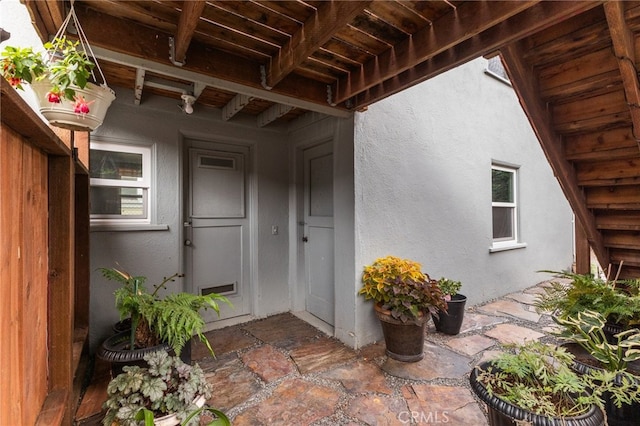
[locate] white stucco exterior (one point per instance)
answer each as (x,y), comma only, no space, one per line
(423,187)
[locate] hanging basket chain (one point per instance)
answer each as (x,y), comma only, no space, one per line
(84,42)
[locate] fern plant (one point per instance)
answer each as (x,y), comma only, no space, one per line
(173,319)
(617,301)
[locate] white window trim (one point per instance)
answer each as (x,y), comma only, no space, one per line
(146,182)
(511,243)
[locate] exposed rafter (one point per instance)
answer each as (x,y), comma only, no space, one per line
(272,114)
(540,118)
(320,27)
(526,23)
(462,23)
(137,91)
(212,67)
(189,17)
(234,106)
(201,80)
(623,46)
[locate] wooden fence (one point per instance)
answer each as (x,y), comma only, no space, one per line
(44,266)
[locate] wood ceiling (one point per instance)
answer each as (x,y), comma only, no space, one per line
(573,65)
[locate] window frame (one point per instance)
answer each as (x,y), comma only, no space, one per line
(145,183)
(513,241)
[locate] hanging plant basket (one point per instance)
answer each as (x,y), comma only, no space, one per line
(65,114)
(68,91)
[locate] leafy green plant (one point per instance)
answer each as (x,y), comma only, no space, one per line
(538,378)
(166,386)
(399,286)
(173,319)
(68,66)
(586,329)
(617,301)
(21,64)
(449,287)
(65,66)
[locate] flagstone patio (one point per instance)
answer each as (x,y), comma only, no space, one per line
(283,371)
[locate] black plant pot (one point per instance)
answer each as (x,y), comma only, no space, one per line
(122,326)
(626,414)
(450,322)
(404,340)
(116,351)
(503,413)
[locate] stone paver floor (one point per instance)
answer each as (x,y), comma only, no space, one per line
(282,371)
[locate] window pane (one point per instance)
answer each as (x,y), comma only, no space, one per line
(502,222)
(118,201)
(502,186)
(115,165)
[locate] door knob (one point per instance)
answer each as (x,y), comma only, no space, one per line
(187,242)
(305,239)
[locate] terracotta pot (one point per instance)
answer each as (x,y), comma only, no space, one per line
(450,322)
(404,340)
(503,413)
(62,114)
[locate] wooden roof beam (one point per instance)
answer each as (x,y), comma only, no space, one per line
(330,17)
(46,16)
(138,46)
(623,46)
(187,23)
(467,20)
(520,26)
(524,82)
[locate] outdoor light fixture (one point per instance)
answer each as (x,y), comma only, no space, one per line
(188,101)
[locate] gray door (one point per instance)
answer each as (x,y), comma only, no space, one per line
(217,229)
(318,235)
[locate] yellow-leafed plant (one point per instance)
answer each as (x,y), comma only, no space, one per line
(400,286)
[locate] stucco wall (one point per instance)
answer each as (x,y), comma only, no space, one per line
(423,187)
(158,253)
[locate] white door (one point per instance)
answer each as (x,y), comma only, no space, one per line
(318,232)
(217,228)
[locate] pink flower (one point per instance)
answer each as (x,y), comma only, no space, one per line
(54,97)
(81,106)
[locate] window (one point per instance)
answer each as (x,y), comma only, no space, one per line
(504,206)
(495,69)
(120,183)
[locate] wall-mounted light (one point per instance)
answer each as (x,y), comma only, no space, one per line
(187,101)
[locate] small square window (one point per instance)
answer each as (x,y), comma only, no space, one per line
(120,183)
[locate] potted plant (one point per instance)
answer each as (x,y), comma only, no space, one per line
(586,339)
(449,322)
(405,298)
(61,83)
(156,323)
(166,392)
(534,384)
(618,301)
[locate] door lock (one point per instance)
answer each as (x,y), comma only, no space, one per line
(187,242)
(305,239)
